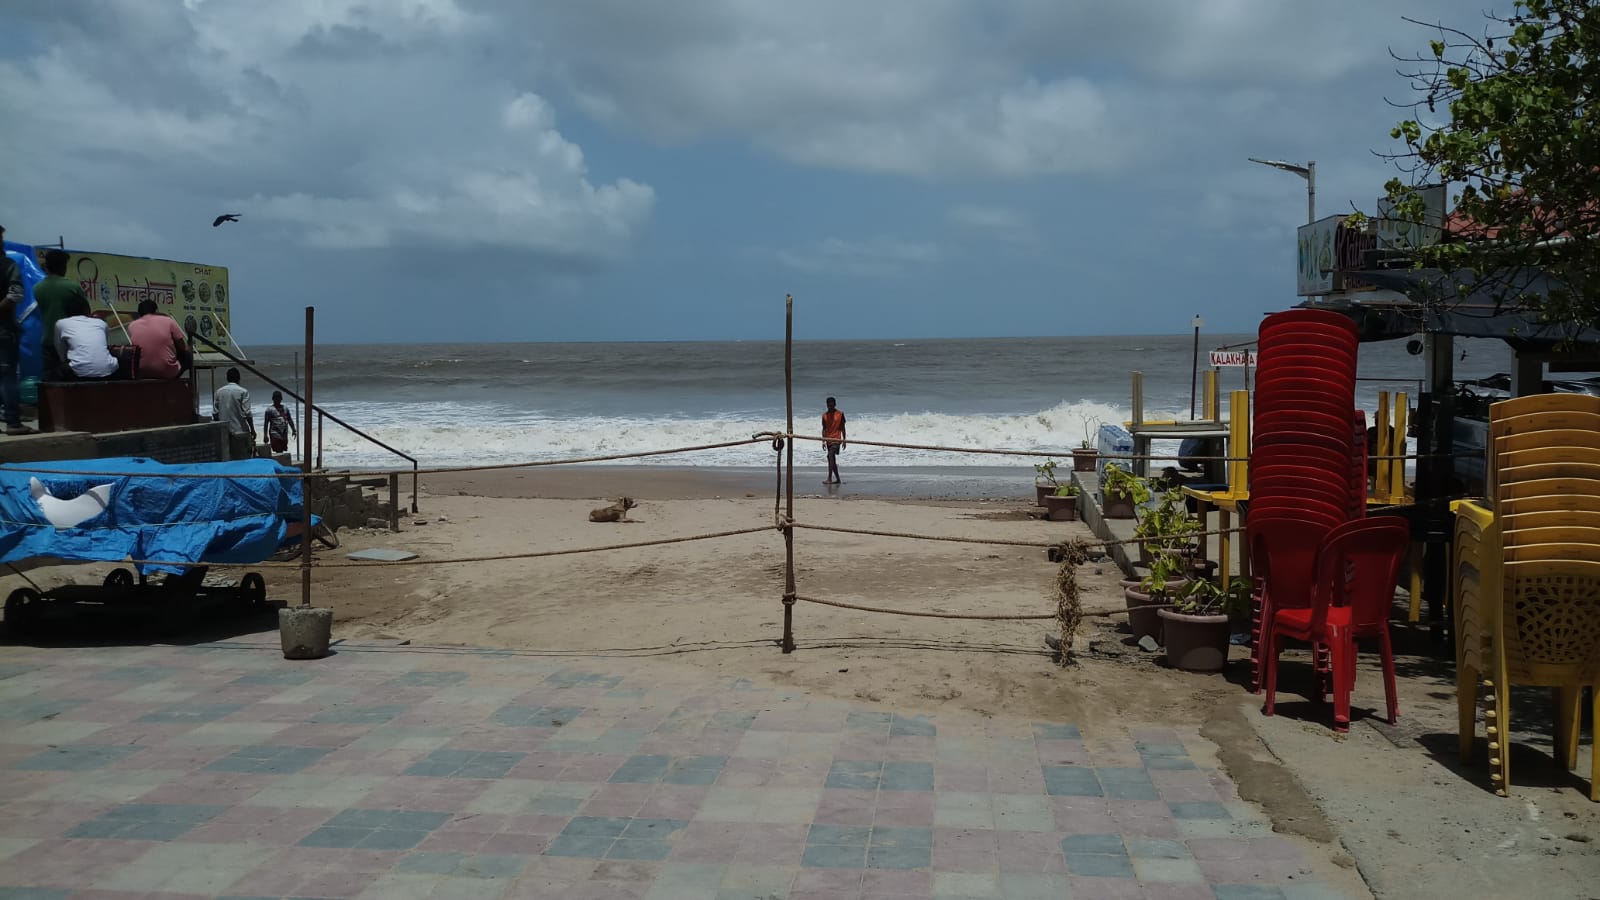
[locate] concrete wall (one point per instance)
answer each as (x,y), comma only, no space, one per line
(206,442)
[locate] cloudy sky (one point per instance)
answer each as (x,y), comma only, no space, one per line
(485,170)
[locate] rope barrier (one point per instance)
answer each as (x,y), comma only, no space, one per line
(923,615)
(540,554)
(775,438)
(374,473)
(998,542)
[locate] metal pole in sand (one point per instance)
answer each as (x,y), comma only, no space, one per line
(305,476)
(788,530)
(1194,369)
(300,421)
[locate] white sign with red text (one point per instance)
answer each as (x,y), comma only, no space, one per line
(1223,359)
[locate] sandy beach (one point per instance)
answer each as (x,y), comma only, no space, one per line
(718,603)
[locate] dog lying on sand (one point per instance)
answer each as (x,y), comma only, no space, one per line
(616,512)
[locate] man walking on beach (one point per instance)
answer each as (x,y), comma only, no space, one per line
(277,423)
(833,438)
(11,299)
(231,406)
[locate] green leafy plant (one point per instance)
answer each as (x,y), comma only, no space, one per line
(1067,490)
(1206,598)
(1164,570)
(1504,117)
(1167,526)
(1118,484)
(1045,472)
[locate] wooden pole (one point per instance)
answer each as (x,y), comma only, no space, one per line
(305,477)
(788,531)
(321,427)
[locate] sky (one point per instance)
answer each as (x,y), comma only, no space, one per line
(493,170)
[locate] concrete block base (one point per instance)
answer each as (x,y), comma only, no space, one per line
(304,631)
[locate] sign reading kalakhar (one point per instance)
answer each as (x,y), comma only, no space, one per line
(195,295)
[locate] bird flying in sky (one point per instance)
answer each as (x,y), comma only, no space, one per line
(230,217)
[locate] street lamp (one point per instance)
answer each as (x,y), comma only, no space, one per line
(1307,171)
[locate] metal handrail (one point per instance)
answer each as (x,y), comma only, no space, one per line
(320,414)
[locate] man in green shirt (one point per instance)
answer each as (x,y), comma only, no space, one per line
(52,294)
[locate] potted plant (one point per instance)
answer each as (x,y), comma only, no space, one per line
(1166,528)
(1044,481)
(1084,455)
(1152,593)
(1197,627)
(1122,492)
(1062,506)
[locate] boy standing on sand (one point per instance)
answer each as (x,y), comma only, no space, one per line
(833,438)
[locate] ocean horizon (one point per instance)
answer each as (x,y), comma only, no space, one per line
(463,404)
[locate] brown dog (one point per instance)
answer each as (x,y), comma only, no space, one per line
(616,512)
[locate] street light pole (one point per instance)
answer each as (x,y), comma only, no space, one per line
(1194,370)
(1307,171)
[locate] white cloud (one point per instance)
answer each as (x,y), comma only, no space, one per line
(957,87)
(341,123)
(988,218)
(873,257)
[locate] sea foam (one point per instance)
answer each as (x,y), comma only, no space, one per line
(465,434)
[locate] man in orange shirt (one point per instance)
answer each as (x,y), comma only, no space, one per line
(833,438)
(163,352)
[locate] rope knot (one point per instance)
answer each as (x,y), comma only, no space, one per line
(782,522)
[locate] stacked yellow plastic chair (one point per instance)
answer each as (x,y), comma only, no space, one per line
(1526,575)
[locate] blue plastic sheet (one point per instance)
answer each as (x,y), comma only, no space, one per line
(30,363)
(109,519)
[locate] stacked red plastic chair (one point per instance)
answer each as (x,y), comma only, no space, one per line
(1307,479)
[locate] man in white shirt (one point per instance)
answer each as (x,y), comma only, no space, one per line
(81,343)
(231,406)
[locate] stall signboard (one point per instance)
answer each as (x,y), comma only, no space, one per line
(1328,253)
(1223,359)
(196,295)
(1400,234)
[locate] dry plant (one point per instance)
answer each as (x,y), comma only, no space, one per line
(1069,607)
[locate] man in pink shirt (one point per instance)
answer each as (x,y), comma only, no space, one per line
(163,352)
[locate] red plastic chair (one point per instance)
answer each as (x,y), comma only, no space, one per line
(1308,418)
(1313,317)
(1352,595)
(1308,346)
(1302,355)
(1309,370)
(1283,552)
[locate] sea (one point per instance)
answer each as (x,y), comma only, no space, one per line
(467,404)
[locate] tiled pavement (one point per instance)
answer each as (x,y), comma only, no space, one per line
(224,770)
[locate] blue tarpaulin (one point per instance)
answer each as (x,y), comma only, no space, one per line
(183,519)
(30,363)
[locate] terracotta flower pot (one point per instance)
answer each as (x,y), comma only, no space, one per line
(1117,508)
(1195,643)
(1061,509)
(1041,491)
(1142,608)
(1083,459)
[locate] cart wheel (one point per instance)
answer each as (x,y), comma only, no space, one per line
(326,536)
(119,578)
(23,608)
(254,590)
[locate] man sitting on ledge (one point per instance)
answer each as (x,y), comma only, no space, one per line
(163,353)
(81,343)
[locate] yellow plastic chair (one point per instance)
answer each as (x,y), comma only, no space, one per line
(1541,412)
(1525,579)
(1532,621)
(1227,501)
